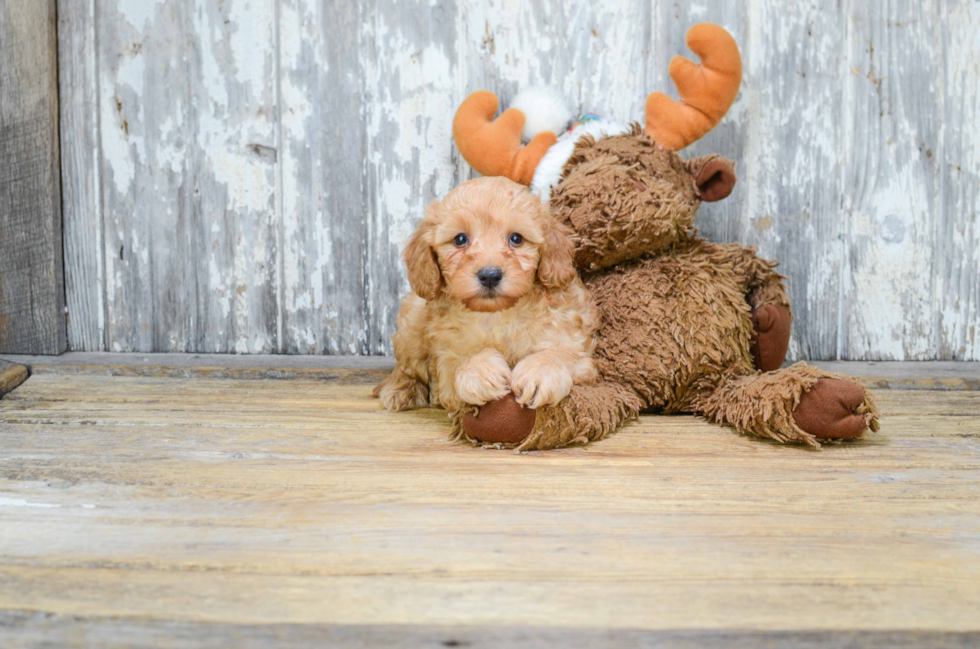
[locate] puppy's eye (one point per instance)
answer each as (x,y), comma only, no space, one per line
(516,239)
(461,240)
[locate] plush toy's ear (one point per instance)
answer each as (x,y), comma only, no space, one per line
(715,179)
(555,268)
(423,268)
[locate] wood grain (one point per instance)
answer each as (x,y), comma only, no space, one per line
(273,222)
(202,502)
(410,58)
(789,204)
(188,117)
(81,163)
(324,212)
(958,232)
(892,105)
(32,299)
(597,54)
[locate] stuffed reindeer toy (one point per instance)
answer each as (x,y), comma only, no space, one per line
(686,325)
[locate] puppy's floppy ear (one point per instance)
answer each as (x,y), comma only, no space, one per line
(423,269)
(555,269)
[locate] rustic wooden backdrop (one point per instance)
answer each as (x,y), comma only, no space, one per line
(32,292)
(239,175)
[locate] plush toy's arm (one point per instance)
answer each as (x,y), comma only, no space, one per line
(765,292)
(589,413)
(772,317)
(764,285)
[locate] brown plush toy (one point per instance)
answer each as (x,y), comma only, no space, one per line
(686,325)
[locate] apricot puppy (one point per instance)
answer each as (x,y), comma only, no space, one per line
(496,305)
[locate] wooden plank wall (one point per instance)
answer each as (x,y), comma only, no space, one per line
(32,294)
(240,175)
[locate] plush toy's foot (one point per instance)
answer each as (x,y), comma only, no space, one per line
(503,421)
(797,404)
(834,409)
(772,324)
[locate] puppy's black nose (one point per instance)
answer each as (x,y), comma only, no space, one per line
(490,276)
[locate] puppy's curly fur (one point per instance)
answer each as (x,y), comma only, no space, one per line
(471,340)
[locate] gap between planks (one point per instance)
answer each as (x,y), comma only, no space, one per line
(44,629)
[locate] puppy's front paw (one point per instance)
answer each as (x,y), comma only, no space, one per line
(483,378)
(540,381)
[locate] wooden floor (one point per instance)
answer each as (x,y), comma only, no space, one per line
(191,512)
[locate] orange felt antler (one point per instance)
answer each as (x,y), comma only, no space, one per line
(494,148)
(707,91)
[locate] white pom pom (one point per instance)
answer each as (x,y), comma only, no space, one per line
(544,109)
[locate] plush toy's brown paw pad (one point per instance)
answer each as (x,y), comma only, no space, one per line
(832,409)
(503,421)
(772,324)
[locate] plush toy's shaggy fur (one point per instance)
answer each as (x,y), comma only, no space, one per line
(676,329)
(685,325)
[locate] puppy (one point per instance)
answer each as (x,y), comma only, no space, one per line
(496,305)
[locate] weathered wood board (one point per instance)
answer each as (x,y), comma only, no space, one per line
(258,165)
(958,230)
(81,163)
(188,115)
(160,511)
(32,294)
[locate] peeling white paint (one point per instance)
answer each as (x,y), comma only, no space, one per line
(413,90)
(891,191)
(138,12)
(880,240)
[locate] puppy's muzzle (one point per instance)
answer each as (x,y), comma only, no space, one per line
(490,277)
